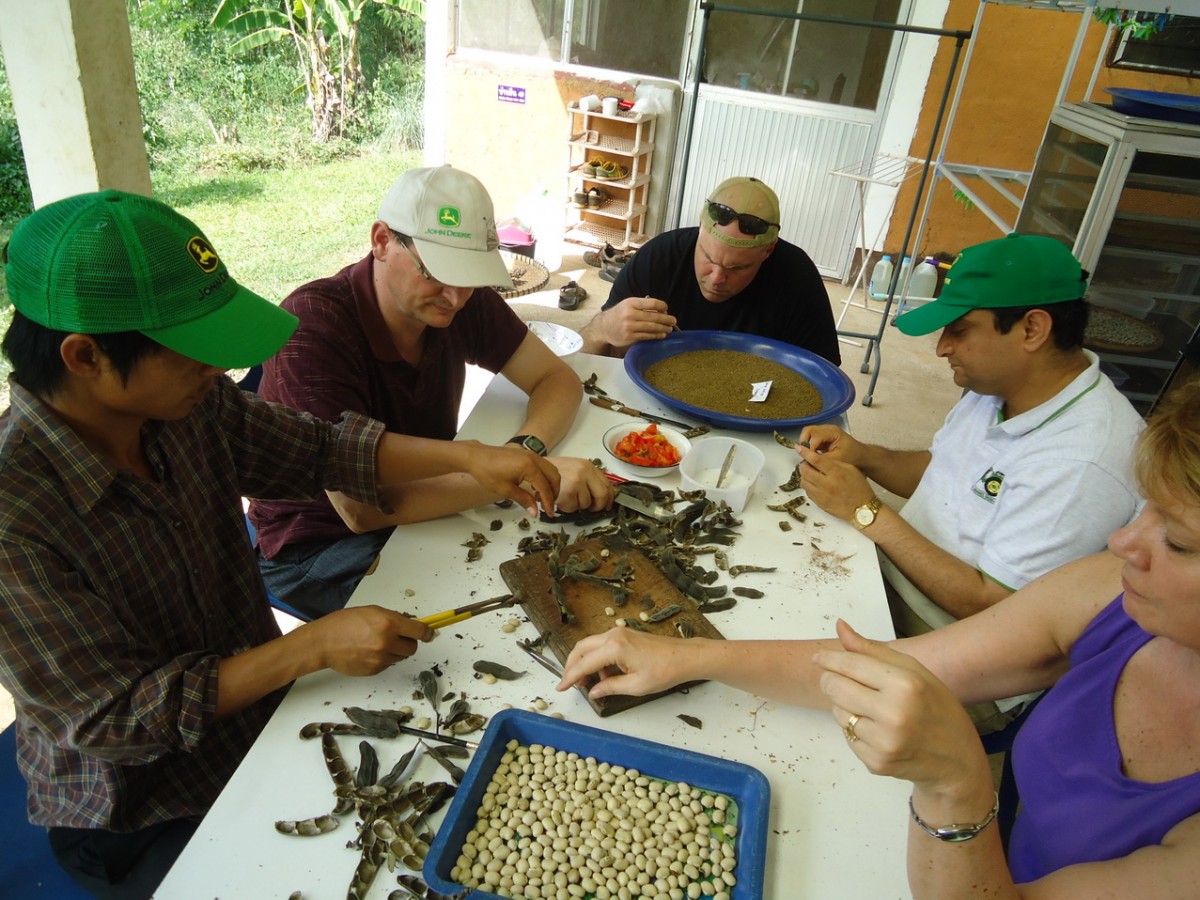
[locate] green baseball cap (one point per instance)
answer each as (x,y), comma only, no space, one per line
(1018,270)
(111,261)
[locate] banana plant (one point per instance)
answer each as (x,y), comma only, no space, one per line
(324,35)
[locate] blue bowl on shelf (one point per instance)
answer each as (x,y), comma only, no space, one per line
(835,387)
(1156,104)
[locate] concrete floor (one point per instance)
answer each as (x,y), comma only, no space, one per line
(913,393)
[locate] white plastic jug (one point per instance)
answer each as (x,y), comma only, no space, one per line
(881,277)
(924,280)
(902,281)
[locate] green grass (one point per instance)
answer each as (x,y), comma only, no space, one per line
(279,229)
(276,229)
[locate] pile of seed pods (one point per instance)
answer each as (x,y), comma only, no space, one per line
(555,824)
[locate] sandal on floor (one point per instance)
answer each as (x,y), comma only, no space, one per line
(570,295)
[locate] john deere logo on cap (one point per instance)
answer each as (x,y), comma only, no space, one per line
(204,255)
(449,217)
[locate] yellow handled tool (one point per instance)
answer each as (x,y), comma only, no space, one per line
(462,613)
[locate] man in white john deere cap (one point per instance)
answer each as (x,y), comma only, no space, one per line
(390,337)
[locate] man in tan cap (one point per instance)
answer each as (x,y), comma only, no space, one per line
(390,337)
(731,273)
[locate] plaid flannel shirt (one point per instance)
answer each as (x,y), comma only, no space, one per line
(119,596)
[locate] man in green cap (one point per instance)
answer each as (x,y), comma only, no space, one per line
(135,636)
(731,273)
(1032,468)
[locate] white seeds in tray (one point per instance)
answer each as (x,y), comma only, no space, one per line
(556,825)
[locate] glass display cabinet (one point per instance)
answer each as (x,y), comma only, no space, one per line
(1123,193)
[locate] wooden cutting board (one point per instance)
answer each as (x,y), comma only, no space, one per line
(528,577)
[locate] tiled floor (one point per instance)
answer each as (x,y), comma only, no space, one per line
(913,393)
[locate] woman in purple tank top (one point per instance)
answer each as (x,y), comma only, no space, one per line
(1108,765)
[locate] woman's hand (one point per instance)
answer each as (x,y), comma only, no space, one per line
(628,662)
(907,723)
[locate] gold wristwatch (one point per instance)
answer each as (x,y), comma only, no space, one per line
(865,514)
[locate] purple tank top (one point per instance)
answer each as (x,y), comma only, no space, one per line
(1076,805)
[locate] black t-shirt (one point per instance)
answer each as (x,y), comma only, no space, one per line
(786,301)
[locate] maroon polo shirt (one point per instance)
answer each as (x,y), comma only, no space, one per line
(342,358)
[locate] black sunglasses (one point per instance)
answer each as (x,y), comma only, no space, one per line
(747,224)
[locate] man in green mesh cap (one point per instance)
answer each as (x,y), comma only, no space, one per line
(731,273)
(135,635)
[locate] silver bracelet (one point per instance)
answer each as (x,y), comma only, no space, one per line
(955,833)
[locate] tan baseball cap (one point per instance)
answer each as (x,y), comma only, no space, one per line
(748,200)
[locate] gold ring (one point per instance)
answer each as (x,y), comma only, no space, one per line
(851,737)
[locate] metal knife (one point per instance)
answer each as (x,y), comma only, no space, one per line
(616,406)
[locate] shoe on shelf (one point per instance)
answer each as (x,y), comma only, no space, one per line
(591,167)
(611,171)
(595,197)
(581,199)
(570,295)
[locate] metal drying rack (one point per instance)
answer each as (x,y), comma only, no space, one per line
(890,171)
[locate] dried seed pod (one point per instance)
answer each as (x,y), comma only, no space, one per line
(661,615)
(785,526)
(474,554)
(749,593)
(496,525)
(735,571)
(468,723)
(684,629)
(308,827)
(486,667)
(690,720)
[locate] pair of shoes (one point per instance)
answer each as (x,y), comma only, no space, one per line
(591,167)
(570,295)
(611,171)
(581,199)
(595,197)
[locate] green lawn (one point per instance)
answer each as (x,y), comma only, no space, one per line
(280,228)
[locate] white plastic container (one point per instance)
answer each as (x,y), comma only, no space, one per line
(881,277)
(902,281)
(924,281)
(701,468)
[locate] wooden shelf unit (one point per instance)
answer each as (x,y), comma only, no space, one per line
(627,139)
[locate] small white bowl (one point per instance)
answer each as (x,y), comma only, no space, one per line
(563,341)
(613,436)
(703,466)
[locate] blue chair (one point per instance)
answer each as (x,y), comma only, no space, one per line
(27,866)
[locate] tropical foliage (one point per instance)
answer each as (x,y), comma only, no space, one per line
(325,36)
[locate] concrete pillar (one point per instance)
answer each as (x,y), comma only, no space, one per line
(70,65)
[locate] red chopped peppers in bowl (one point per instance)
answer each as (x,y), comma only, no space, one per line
(648,452)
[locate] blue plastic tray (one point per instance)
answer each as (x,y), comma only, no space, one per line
(746,785)
(837,391)
(1156,104)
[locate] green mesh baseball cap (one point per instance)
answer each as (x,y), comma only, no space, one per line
(1018,270)
(111,261)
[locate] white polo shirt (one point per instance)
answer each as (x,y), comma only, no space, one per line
(1020,497)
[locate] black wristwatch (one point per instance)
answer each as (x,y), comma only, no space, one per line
(529,442)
